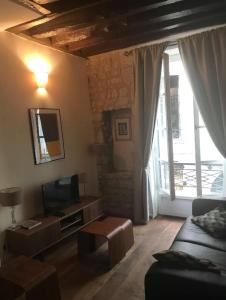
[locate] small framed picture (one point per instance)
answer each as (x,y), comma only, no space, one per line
(47,134)
(122,129)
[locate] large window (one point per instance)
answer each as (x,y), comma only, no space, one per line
(189,163)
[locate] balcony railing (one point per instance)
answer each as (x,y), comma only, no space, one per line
(185,176)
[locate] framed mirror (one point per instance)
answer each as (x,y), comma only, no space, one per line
(47,134)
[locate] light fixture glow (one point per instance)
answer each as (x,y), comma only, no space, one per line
(38,64)
(41,91)
(41,68)
(41,79)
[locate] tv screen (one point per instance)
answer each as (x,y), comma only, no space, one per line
(60,194)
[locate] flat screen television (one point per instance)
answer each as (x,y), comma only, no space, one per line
(60,194)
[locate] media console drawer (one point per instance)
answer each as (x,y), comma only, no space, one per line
(93,211)
(30,242)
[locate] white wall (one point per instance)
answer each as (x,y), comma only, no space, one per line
(67,90)
(177,207)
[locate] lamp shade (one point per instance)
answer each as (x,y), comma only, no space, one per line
(10,196)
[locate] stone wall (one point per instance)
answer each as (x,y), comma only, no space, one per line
(111,87)
(111,83)
(117,188)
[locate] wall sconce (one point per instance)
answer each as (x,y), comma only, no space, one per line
(41,79)
(40,68)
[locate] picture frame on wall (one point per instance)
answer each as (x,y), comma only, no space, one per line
(123,129)
(47,134)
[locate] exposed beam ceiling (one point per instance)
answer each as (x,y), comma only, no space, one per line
(89,27)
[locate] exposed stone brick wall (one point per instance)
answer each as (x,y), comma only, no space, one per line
(118,193)
(111,81)
(111,88)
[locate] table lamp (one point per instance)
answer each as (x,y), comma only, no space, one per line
(11,197)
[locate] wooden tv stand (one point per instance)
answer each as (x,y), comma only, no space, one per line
(54,229)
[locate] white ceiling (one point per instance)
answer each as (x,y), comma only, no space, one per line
(12,14)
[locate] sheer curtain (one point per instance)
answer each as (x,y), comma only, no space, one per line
(204,57)
(154,183)
(147,67)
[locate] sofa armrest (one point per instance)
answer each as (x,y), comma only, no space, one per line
(201,206)
(166,282)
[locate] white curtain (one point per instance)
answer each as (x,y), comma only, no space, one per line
(147,67)
(204,57)
(153,169)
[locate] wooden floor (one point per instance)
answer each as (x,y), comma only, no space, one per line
(90,279)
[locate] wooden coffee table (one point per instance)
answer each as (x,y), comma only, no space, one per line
(118,232)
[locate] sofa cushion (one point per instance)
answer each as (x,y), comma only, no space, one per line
(192,233)
(186,260)
(214,222)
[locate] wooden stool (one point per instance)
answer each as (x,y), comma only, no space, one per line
(117,231)
(10,291)
(35,279)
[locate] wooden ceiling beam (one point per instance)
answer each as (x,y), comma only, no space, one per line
(71,30)
(140,25)
(136,30)
(27,25)
(66,5)
(98,14)
(42,20)
(71,37)
(87,20)
(201,11)
(88,27)
(151,35)
(192,5)
(30,24)
(52,25)
(41,2)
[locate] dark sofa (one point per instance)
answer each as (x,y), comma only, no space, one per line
(168,282)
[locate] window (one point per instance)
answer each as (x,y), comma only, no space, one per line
(189,163)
